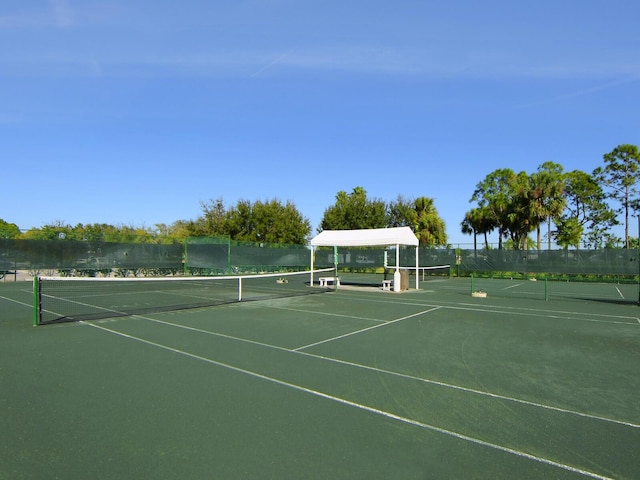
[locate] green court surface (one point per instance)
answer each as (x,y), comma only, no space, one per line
(356,383)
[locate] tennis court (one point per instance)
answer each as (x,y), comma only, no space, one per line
(353,383)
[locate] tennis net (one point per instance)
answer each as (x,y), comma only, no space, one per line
(426,273)
(58,299)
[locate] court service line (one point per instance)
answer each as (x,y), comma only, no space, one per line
(396,374)
(328,314)
(365,329)
(543,314)
(603,318)
(363,407)
(579,316)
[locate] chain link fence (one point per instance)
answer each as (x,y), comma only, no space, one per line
(215,255)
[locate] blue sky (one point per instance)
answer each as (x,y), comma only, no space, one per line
(135,112)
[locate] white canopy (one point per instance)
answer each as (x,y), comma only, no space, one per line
(378,237)
(365,238)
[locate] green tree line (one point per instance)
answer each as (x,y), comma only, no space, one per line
(571,208)
(268,221)
(576,203)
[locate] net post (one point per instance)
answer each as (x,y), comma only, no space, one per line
(228,253)
(546,289)
(239,289)
(472,284)
(36,301)
(185,258)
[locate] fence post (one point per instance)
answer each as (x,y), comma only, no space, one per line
(546,289)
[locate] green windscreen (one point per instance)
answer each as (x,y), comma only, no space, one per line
(221,254)
(218,255)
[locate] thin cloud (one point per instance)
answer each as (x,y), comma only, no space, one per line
(585,91)
(59,14)
(435,63)
(430,63)
(269,65)
(63,14)
(598,88)
(22,20)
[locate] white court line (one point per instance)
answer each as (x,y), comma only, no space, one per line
(327,314)
(580,316)
(619,292)
(397,374)
(364,329)
(544,314)
(17,301)
(511,286)
(366,408)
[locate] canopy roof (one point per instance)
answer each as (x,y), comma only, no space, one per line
(365,238)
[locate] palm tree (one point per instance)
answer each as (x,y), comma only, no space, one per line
(429,227)
(621,175)
(547,197)
(467,227)
(478,221)
(495,195)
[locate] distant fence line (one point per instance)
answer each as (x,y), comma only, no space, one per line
(204,255)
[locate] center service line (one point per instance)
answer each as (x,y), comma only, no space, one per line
(365,329)
(359,406)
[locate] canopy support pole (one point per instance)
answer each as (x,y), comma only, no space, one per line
(313,250)
(417,270)
(396,275)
